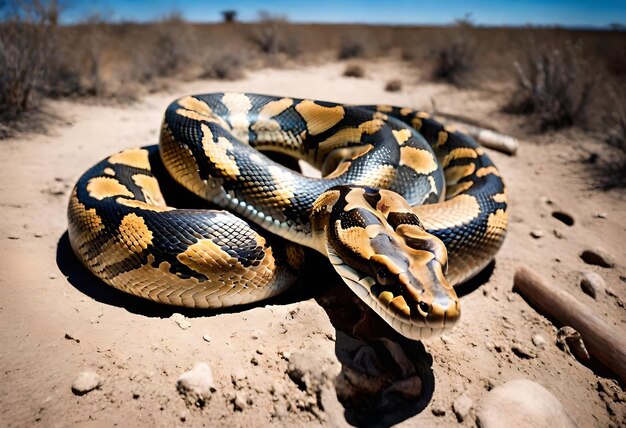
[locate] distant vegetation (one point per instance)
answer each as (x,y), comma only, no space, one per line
(557,77)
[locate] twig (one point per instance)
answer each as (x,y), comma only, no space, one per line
(602,340)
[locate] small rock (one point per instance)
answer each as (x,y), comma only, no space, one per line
(85,382)
(69,336)
(601,215)
(14,237)
(445,339)
(438,410)
(569,340)
(558,234)
(254,361)
(181,321)
(536,234)
(539,341)
(206,338)
(38,235)
(522,403)
(196,385)
(462,406)
(240,401)
(592,284)
(523,351)
(597,257)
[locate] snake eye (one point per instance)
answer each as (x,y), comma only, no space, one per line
(384,277)
(424,307)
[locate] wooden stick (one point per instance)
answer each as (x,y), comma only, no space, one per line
(602,340)
(493,140)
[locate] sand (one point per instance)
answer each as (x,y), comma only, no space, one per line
(286,360)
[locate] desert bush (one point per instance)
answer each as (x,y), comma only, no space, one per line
(612,169)
(554,86)
(393,85)
(456,54)
(454,61)
(170,47)
(27,44)
(354,70)
(352,45)
(273,35)
(224,65)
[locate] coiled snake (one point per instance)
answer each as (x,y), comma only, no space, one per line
(406,207)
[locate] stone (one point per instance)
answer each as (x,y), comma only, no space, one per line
(536,233)
(462,406)
(597,257)
(239,401)
(592,284)
(196,385)
(522,403)
(539,341)
(86,381)
(522,351)
(207,338)
(181,321)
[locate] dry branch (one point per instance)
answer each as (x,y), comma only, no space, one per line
(602,340)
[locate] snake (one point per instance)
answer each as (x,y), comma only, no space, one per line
(405,209)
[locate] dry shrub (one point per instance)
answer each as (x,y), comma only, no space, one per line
(354,70)
(171,46)
(27,46)
(612,169)
(273,35)
(456,54)
(554,86)
(394,85)
(353,45)
(454,62)
(225,65)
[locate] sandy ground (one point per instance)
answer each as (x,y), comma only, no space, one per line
(287,361)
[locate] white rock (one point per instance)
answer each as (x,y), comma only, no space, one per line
(85,382)
(196,385)
(539,341)
(592,284)
(181,321)
(536,233)
(462,406)
(522,403)
(207,338)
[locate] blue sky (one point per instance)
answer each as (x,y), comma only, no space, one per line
(597,13)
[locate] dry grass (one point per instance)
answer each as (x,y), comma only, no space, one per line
(554,86)
(353,45)
(27,47)
(228,65)
(354,70)
(394,85)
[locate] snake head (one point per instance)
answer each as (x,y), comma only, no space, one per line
(381,250)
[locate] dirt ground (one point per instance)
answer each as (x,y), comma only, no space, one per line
(293,360)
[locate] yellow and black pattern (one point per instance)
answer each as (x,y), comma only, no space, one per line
(405,207)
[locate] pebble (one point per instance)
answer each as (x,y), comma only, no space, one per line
(539,341)
(206,338)
(85,382)
(240,401)
(597,257)
(601,215)
(592,283)
(523,351)
(462,406)
(196,385)
(521,403)
(558,234)
(180,320)
(536,234)
(438,410)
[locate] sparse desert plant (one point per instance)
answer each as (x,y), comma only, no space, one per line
(354,70)
(612,170)
(171,46)
(454,60)
(273,35)
(554,86)
(224,65)
(393,85)
(27,44)
(353,45)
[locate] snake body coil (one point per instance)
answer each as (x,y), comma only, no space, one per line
(406,207)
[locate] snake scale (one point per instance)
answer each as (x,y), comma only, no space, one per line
(405,209)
